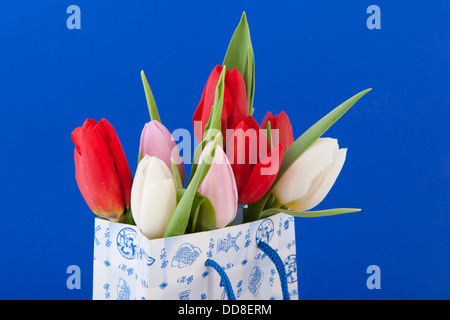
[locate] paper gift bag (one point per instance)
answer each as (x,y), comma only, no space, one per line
(254,260)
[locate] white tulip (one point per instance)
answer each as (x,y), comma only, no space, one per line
(153,197)
(309,179)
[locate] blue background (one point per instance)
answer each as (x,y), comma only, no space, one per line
(310,57)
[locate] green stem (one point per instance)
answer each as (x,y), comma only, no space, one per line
(254,210)
(127,218)
(269,202)
(276,204)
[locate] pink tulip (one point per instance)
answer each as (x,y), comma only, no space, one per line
(157,141)
(219,186)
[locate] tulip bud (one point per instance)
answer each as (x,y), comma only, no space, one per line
(157,141)
(255,165)
(283,125)
(234,101)
(219,186)
(101,169)
(309,179)
(153,197)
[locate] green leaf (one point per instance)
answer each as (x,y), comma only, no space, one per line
(206,217)
(308,214)
(240,55)
(213,125)
(180,218)
(269,134)
(140,156)
(154,115)
(249,79)
(196,204)
(214,122)
(315,132)
(180,193)
(176,174)
(299,146)
(203,215)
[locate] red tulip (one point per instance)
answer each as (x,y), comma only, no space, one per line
(234,101)
(101,169)
(254,165)
(283,125)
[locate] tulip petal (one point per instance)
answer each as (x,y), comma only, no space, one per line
(204,107)
(153,197)
(248,146)
(322,184)
(158,203)
(262,177)
(296,181)
(219,186)
(268,117)
(96,174)
(120,161)
(282,123)
(89,123)
(77,137)
(157,141)
(242,150)
(155,170)
(197,118)
(236,85)
(207,100)
(136,191)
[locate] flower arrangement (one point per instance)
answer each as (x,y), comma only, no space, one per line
(237,162)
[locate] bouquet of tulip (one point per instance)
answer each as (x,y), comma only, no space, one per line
(236,163)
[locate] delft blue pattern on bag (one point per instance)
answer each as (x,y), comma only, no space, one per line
(129,266)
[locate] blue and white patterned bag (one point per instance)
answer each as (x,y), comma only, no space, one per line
(254,260)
